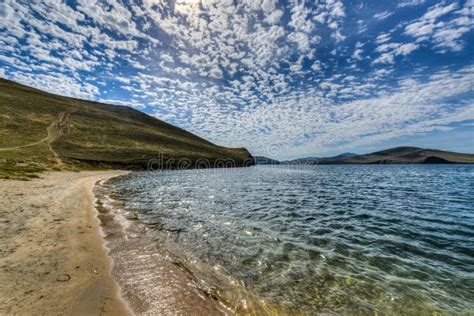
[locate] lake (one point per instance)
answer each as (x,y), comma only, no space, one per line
(350,239)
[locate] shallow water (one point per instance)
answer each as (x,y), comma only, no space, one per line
(344,239)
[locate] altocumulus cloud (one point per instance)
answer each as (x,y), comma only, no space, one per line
(310,76)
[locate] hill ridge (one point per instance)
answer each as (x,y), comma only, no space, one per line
(395,155)
(43,131)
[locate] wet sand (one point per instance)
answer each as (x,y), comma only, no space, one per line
(52,255)
(151,281)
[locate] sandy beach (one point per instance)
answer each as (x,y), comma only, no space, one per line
(52,257)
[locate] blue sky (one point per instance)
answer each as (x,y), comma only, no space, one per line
(282,78)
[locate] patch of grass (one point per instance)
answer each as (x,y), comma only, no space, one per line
(19,171)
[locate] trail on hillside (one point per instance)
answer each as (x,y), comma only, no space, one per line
(57,128)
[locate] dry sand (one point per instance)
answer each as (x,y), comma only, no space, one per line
(52,256)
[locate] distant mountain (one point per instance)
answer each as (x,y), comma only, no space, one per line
(411,155)
(306,160)
(398,155)
(42,131)
(342,156)
(261,160)
(317,160)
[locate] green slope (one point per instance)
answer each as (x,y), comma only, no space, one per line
(42,131)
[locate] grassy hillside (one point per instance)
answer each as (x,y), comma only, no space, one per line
(41,131)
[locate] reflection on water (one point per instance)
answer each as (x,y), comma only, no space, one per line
(350,239)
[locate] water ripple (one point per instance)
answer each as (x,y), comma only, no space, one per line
(343,239)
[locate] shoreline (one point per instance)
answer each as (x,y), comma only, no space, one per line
(150,279)
(53,255)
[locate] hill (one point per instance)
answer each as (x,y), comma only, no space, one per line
(398,155)
(412,155)
(318,160)
(262,160)
(42,131)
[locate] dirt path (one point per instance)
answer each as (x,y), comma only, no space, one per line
(57,128)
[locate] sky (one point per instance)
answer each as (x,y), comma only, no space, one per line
(284,79)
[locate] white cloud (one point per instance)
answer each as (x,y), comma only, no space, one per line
(268,6)
(383,15)
(133,103)
(274,17)
(59,84)
(443,25)
(382,38)
(357,55)
(392,50)
(111,15)
(445,35)
(410,3)
(301,39)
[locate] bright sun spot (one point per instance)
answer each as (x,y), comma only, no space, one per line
(186,6)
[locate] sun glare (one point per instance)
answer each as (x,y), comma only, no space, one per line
(186,6)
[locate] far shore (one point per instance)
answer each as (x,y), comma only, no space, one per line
(53,259)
